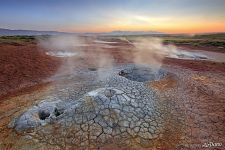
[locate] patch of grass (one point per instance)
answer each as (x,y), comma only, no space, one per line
(16,39)
(195,42)
(217,40)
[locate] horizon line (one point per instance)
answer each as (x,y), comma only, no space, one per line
(86,32)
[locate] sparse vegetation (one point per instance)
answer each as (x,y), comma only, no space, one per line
(215,40)
(16,39)
(200,40)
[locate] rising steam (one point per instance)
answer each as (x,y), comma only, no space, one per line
(144,51)
(67,42)
(151,52)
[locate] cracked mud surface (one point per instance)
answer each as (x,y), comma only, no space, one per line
(123,109)
(124,114)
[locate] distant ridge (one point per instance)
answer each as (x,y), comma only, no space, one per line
(10,32)
(116,33)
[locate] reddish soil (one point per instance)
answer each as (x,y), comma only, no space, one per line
(205,48)
(163,84)
(197,65)
(23,66)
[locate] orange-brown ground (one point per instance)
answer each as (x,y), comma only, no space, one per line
(164,84)
(22,66)
(197,65)
(205,48)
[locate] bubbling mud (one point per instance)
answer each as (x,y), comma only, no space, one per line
(142,74)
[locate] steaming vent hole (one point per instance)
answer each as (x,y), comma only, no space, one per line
(43,114)
(142,74)
(58,112)
(92,69)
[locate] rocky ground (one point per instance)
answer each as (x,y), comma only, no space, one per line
(181,106)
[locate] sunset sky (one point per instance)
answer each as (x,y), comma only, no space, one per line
(169,16)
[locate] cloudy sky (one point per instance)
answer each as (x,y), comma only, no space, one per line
(170,16)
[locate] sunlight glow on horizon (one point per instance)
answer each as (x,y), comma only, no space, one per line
(161,24)
(167,16)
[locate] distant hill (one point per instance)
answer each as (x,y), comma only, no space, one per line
(120,33)
(124,33)
(9,32)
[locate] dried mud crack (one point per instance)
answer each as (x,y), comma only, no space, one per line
(126,110)
(123,109)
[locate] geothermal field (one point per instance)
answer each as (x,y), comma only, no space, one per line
(112,92)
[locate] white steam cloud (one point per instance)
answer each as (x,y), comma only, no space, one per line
(62,42)
(144,51)
(151,52)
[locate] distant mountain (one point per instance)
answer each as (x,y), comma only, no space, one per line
(124,33)
(9,32)
(120,33)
